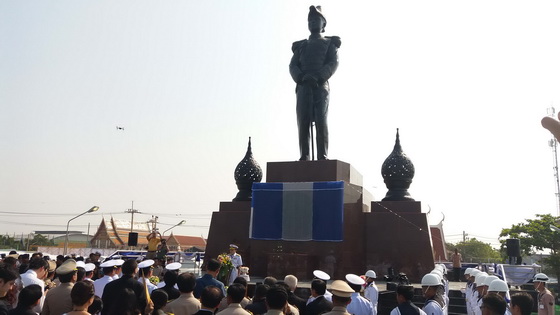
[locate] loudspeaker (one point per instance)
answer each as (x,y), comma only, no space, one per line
(132,239)
(392,286)
(513,247)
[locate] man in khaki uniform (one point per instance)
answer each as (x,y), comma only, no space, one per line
(235,294)
(186,303)
(545,299)
(342,293)
(58,300)
(456,258)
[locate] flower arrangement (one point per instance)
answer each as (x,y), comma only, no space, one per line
(225,269)
(154,280)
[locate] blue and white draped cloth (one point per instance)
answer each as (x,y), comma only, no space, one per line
(305,211)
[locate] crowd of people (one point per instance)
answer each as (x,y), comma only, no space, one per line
(487,294)
(484,295)
(78,285)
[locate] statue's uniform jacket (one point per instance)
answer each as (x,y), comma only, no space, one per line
(317,57)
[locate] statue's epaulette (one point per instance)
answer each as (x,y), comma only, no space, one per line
(297,45)
(335,40)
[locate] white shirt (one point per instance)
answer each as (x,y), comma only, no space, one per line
(446,306)
(30,277)
(359,305)
(468,293)
(474,302)
(328,295)
(236,260)
(100,284)
(433,308)
(371,292)
(477,309)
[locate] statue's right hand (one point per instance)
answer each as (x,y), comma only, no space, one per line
(310,80)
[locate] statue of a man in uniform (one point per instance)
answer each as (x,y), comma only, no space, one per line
(315,60)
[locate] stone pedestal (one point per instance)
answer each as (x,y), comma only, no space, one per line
(375,239)
(230,225)
(312,171)
(399,237)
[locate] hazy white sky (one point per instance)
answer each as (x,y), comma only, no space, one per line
(467,83)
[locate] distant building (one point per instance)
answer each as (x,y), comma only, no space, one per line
(186,243)
(114,234)
(438,243)
(75,240)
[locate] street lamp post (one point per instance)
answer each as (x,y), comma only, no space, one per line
(180,223)
(93,209)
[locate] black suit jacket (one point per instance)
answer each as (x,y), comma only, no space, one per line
(20,311)
(3,308)
(204,312)
(114,290)
(319,306)
(257,307)
(298,302)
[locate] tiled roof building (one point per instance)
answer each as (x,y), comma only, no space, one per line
(186,242)
(114,234)
(438,242)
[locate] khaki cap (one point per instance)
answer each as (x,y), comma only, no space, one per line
(52,265)
(341,288)
(67,267)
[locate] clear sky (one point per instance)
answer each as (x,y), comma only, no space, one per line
(467,83)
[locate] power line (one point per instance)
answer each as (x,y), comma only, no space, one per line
(170,215)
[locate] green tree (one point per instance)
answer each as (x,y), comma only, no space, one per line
(536,235)
(8,242)
(474,250)
(41,240)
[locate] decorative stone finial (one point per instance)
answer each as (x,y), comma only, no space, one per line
(247,172)
(397,171)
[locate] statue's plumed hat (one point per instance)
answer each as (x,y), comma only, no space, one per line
(316,10)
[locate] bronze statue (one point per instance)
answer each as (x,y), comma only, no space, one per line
(315,60)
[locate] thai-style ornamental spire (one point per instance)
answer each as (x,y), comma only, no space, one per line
(397,172)
(247,172)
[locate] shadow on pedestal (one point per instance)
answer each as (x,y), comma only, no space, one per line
(398,238)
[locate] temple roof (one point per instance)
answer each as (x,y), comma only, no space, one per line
(117,232)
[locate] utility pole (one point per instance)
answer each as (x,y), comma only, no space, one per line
(465,236)
(553,144)
(154,222)
(132,211)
